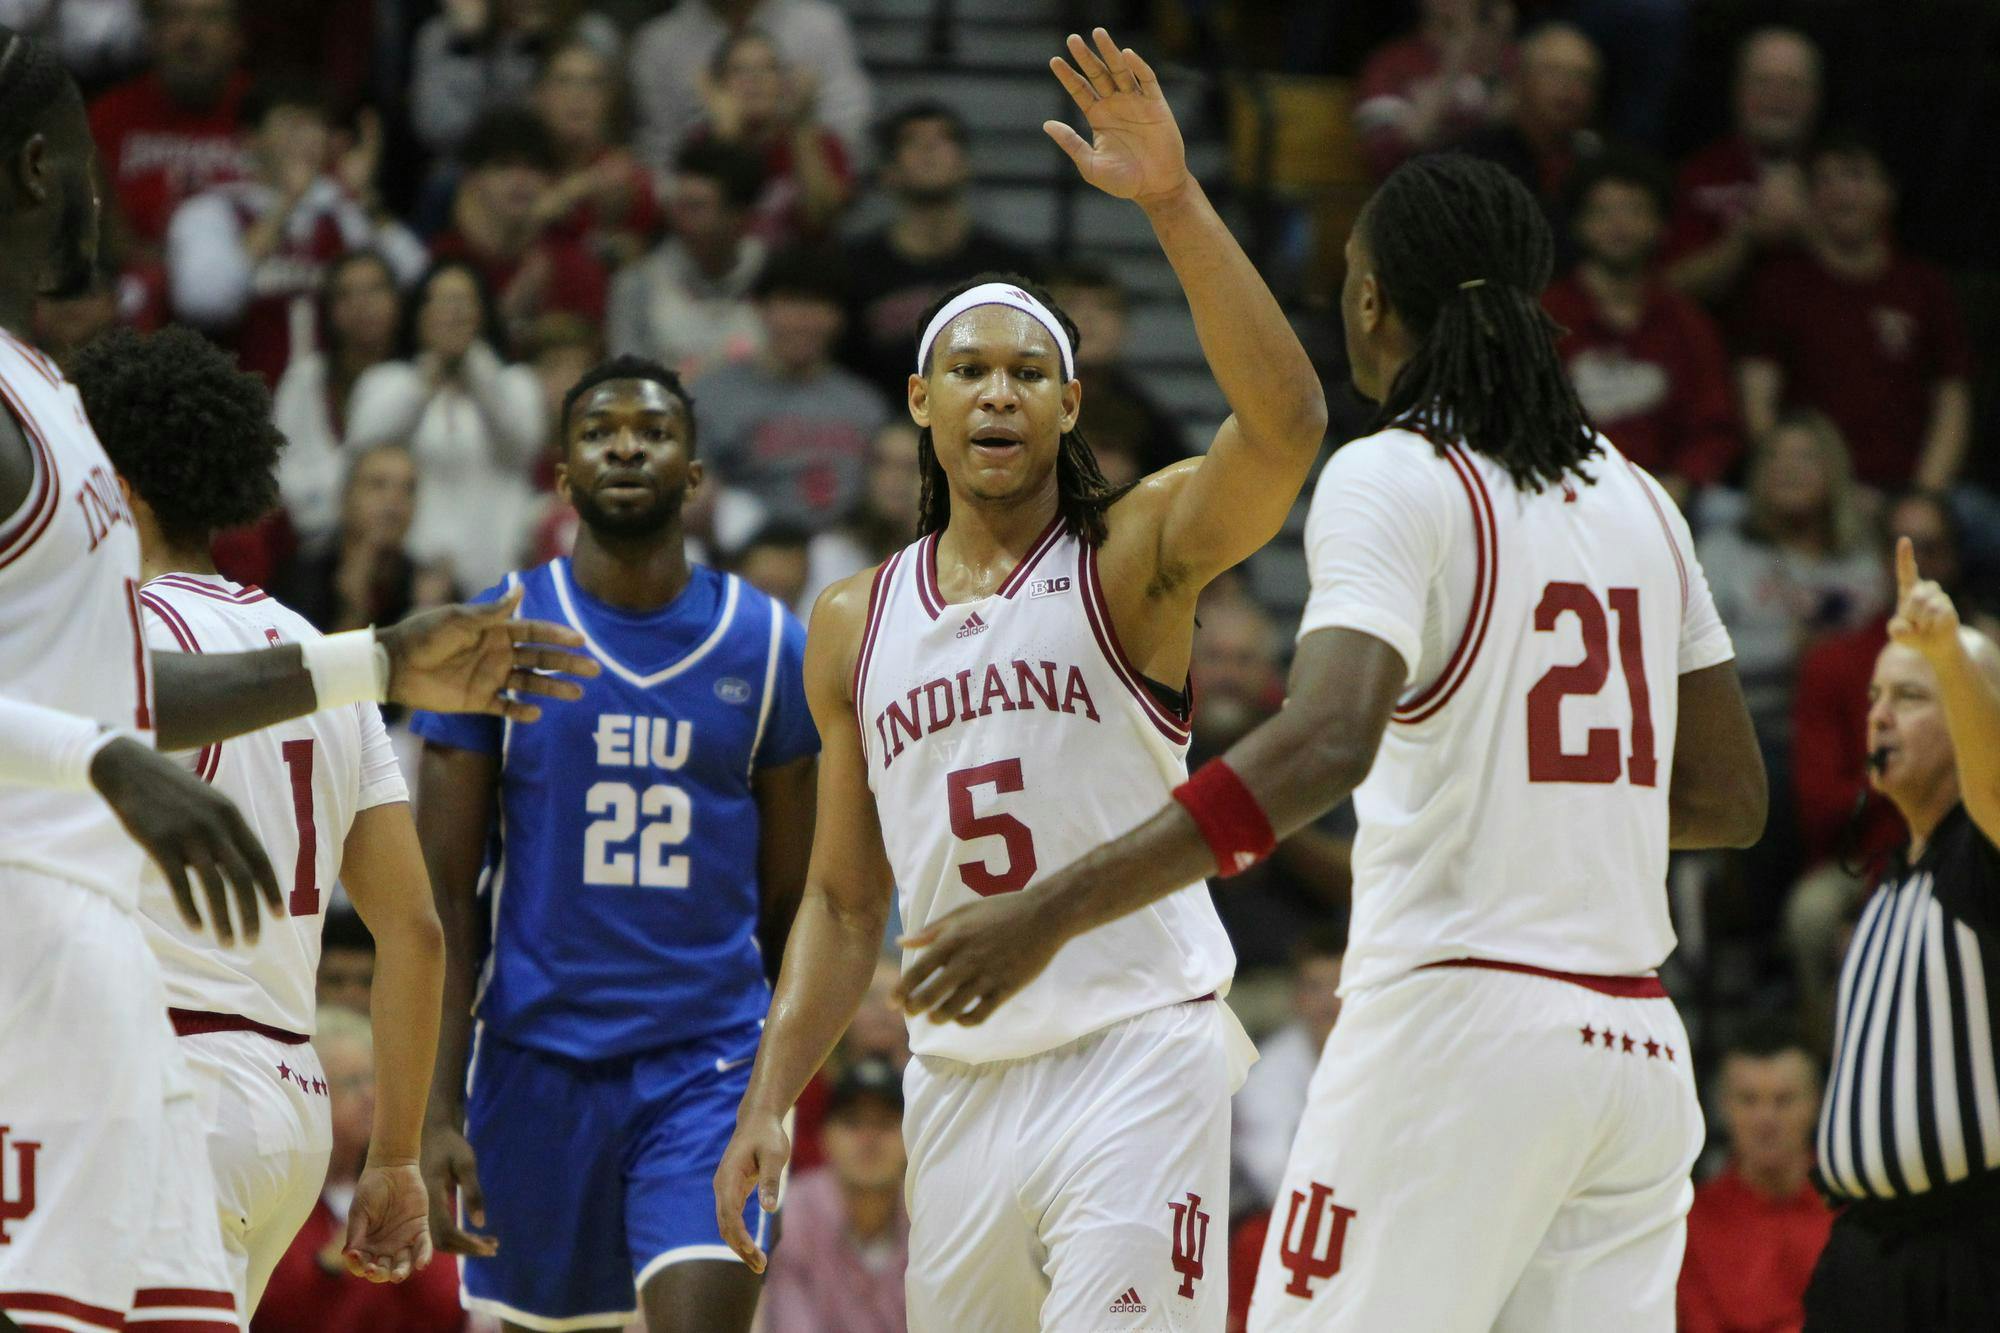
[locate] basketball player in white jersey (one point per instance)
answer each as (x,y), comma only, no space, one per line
(103,1159)
(1510,640)
(192,440)
(991,703)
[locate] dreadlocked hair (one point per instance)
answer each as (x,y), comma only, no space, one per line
(1462,252)
(1082,493)
(32,83)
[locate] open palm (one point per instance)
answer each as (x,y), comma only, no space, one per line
(1136,150)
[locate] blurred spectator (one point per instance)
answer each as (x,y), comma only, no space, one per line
(311,1290)
(1758,1226)
(1120,415)
(687,304)
(476,56)
(346,976)
(930,243)
(561,348)
(1546,130)
(758,103)
(791,428)
(884,522)
(472,421)
(496,225)
(602,198)
(1267,1108)
(775,561)
(1853,328)
(95,39)
(1746,192)
(364,576)
(173,131)
(1800,564)
(1238,675)
(847,1237)
(357,317)
(1432,88)
(669,55)
(244,259)
(1646,361)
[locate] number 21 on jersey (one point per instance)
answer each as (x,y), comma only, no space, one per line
(1600,761)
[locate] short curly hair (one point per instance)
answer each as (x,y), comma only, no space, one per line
(190,432)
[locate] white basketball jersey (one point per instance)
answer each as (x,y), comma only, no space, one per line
(299,785)
(1517,808)
(1006,737)
(69,623)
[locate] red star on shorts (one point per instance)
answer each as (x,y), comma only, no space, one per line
(1670,1052)
(1610,1039)
(1652,1049)
(1628,1044)
(1589,1035)
(284,1071)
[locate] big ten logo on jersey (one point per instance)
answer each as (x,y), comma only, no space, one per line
(1048,587)
(659,814)
(17,1181)
(1014,687)
(103,505)
(1315,1234)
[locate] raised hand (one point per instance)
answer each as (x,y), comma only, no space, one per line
(1925,619)
(473,659)
(388,1237)
(1136,151)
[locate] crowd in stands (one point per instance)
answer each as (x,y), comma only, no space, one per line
(420,221)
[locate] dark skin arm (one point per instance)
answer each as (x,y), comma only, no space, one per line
(1298,765)
(17,466)
(457,793)
(1718,794)
(785,810)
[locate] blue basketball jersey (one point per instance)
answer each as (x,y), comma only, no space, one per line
(621,876)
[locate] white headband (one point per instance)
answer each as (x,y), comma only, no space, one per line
(997,293)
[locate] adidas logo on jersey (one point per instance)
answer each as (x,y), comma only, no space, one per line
(973,625)
(1048,587)
(1129,1303)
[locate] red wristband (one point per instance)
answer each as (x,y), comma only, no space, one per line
(1231,822)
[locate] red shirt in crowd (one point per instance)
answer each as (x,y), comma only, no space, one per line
(1713,192)
(1661,390)
(1830,747)
(306,1298)
(1749,1257)
(1246,1252)
(1388,83)
(1867,352)
(577,281)
(641,216)
(156,153)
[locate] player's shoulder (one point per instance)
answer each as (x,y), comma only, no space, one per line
(1394,461)
(842,606)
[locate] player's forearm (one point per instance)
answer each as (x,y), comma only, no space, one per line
(409,985)
(1252,351)
(201,698)
(829,962)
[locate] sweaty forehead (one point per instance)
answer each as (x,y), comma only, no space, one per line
(628,396)
(997,328)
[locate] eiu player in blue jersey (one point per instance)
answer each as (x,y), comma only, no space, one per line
(638,857)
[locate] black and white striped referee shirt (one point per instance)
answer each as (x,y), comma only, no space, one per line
(1913,1100)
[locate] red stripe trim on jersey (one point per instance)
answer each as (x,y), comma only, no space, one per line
(1680,565)
(171,1323)
(1485,581)
(210,757)
(44,492)
(878,595)
(927,584)
(246,595)
(36,361)
(196,1022)
(205,1298)
(1098,613)
(1043,545)
(42,1302)
(1625,988)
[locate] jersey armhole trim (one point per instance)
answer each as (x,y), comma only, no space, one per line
(770,684)
(878,598)
(210,757)
(1098,612)
(1485,580)
(1666,530)
(32,519)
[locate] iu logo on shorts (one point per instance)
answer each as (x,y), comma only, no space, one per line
(14,1207)
(1312,1255)
(1190,1242)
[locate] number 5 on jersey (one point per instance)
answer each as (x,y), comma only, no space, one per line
(1599,762)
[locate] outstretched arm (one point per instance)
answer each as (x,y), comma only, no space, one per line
(1225,505)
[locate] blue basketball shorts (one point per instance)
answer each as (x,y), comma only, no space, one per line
(598,1174)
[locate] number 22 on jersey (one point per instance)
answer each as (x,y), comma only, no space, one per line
(1600,761)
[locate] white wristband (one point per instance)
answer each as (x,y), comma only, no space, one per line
(46,747)
(347,668)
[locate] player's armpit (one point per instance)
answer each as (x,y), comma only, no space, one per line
(1718,794)
(1213,512)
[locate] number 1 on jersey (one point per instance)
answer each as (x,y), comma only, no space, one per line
(305,871)
(1599,762)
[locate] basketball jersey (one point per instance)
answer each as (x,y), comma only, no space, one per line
(298,784)
(1517,808)
(1005,737)
(69,623)
(621,878)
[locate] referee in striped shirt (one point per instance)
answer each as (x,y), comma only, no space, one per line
(1909,1129)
